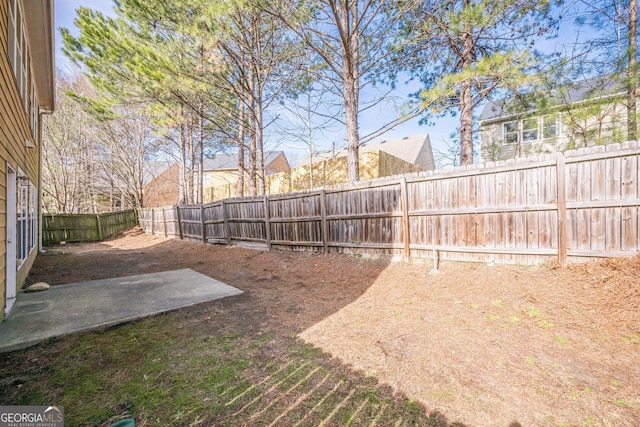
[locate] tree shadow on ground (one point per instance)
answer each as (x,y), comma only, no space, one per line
(235,361)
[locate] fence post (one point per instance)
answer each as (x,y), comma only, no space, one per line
(203,225)
(153,221)
(405,219)
(323,221)
(164,221)
(179,223)
(225,218)
(562,211)
(99,225)
(267,223)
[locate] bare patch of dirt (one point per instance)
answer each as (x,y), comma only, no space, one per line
(484,345)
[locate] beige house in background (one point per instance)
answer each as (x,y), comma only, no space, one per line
(377,160)
(410,150)
(27,90)
(221,173)
(586,113)
(222,169)
(386,158)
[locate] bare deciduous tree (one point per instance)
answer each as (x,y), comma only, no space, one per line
(354,41)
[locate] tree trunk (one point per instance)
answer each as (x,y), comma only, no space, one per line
(309,140)
(466,125)
(201,154)
(241,149)
(252,158)
(252,132)
(192,158)
(466,101)
(350,81)
(260,172)
(632,84)
(140,178)
(183,166)
(353,139)
(259,88)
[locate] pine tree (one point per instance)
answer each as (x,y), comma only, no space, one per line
(463,50)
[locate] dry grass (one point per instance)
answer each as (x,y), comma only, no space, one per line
(494,345)
(334,340)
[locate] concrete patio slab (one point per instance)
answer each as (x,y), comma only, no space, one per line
(75,307)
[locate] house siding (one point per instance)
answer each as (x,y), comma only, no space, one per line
(493,148)
(331,172)
(389,165)
(217,178)
(14,130)
(279,164)
(577,128)
(164,189)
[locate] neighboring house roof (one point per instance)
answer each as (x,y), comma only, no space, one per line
(222,161)
(41,34)
(574,92)
(152,169)
(412,149)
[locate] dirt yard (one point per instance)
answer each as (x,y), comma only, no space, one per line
(482,345)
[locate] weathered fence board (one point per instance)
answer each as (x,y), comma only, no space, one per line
(85,227)
(580,205)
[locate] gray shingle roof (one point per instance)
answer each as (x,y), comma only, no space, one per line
(571,93)
(222,161)
(152,169)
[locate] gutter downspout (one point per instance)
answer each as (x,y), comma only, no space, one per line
(40,193)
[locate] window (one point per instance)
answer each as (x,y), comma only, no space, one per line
(19,59)
(33,212)
(11,43)
(18,49)
(22,210)
(550,126)
(530,129)
(510,132)
(34,116)
(22,72)
(26,212)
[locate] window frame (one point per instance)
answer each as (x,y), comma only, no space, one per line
(555,126)
(22,220)
(19,59)
(26,218)
(33,217)
(507,135)
(530,133)
(11,34)
(17,49)
(34,115)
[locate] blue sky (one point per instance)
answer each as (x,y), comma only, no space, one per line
(438,131)
(65,15)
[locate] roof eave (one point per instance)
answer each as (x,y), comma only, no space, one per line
(41,35)
(556,106)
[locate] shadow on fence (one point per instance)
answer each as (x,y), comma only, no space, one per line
(85,227)
(579,205)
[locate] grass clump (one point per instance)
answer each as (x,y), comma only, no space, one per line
(162,375)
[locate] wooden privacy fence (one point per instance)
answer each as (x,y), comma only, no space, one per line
(580,205)
(85,227)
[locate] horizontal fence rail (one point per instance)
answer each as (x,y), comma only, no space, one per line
(580,205)
(59,228)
